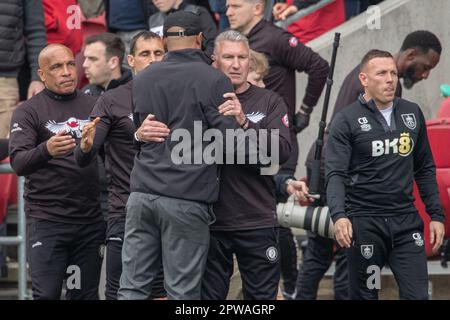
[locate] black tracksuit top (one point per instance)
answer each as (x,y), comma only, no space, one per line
(370,166)
(56,188)
(247,198)
(179,90)
(115,132)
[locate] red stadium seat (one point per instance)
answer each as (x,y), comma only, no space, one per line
(8,191)
(444,109)
(439,137)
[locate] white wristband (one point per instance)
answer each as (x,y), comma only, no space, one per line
(136,137)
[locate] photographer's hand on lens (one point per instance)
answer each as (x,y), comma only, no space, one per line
(299,189)
(152,130)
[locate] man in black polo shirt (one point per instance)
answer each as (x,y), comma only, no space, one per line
(376,148)
(65,228)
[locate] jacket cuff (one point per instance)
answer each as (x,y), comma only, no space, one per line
(337,216)
(438,217)
(44,151)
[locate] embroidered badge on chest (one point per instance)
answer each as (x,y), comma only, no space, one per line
(409,119)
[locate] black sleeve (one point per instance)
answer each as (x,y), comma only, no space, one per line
(280,186)
(209,30)
(3,148)
(337,161)
(211,109)
(349,92)
(34,31)
(293,54)
(425,174)
(27,155)
(302,4)
(101,109)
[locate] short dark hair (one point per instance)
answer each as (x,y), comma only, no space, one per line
(422,40)
(114,45)
(372,54)
(146,35)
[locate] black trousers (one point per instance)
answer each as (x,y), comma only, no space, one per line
(257,255)
(114,242)
(58,251)
(397,241)
(288,259)
(316,261)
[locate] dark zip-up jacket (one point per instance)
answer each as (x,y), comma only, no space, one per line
(286,54)
(349,92)
(179,90)
(22,36)
(370,166)
(96,90)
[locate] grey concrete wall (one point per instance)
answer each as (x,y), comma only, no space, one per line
(398,18)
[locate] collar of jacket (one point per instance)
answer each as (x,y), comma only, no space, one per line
(258,27)
(124,78)
(371,104)
(60,97)
(186,55)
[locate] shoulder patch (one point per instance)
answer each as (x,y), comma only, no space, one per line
(285,120)
(293,42)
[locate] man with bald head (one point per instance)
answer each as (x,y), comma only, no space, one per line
(169,208)
(65,228)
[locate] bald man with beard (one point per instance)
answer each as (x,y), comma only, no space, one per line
(65,228)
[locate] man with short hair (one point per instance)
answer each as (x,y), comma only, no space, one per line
(418,55)
(104,54)
(376,148)
(246,223)
(168,211)
(113,128)
(286,55)
(65,228)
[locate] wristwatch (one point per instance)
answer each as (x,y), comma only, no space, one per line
(306,109)
(289,181)
(136,137)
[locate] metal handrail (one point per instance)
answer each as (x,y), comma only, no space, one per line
(20,239)
(300,14)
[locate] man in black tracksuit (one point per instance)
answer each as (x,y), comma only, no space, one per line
(286,55)
(65,227)
(376,147)
(418,54)
(246,222)
(115,131)
(168,211)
